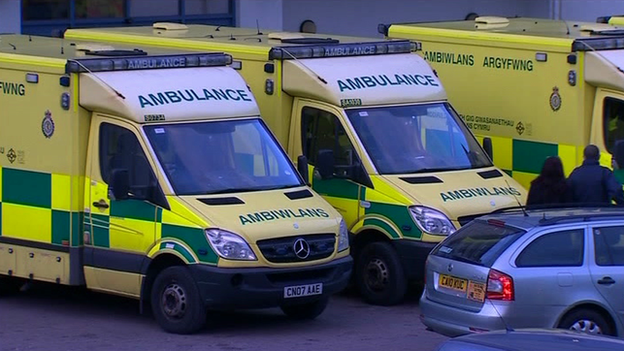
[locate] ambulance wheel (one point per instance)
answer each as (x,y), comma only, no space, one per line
(305,311)
(379,275)
(10,286)
(176,302)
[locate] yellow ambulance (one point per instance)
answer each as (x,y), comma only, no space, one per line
(537,87)
(149,173)
(385,147)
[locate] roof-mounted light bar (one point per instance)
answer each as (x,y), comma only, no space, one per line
(335,50)
(147,62)
(591,44)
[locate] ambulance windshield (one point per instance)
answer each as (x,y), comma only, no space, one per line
(221,157)
(416,138)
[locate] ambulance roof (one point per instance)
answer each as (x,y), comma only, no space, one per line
(229,39)
(341,70)
(140,83)
(582,36)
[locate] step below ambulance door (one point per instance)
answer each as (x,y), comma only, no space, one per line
(123,221)
(343,186)
(608,129)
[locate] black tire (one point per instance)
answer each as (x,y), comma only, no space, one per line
(10,286)
(379,275)
(176,302)
(306,311)
(586,321)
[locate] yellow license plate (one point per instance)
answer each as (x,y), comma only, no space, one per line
(476,291)
(452,282)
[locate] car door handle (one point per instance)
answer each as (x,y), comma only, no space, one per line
(101,204)
(606,281)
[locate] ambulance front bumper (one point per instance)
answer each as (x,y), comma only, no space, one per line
(242,288)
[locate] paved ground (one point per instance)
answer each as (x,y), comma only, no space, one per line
(56,319)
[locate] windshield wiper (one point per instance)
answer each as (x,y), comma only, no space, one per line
(232,190)
(258,188)
(437,169)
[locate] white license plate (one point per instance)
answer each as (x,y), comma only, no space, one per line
(303,290)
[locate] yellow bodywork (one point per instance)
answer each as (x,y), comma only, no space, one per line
(535,86)
(58,222)
(297,84)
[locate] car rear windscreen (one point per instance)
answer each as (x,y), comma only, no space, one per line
(478,242)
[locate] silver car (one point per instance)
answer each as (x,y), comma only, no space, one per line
(539,269)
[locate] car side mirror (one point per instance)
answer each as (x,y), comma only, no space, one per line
(489,149)
(119,187)
(325,163)
(302,167)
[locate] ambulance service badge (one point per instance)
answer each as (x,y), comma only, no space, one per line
(555,99)
(47,126)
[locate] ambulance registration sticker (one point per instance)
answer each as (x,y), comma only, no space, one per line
(303,290)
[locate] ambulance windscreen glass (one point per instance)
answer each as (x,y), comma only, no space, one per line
(416,139)
(221,157)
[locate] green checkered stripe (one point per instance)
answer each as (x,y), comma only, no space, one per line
(34,189)
(377,214)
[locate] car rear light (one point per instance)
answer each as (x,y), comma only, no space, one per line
(500,286)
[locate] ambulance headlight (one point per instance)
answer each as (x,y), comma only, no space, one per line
(343,236)
(432,221)
(229,245)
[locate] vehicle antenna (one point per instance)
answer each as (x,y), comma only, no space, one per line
(306,67)
(62,50)
(507,327)
(13,46)
(524,212)
(100,79)
(217,29)
(30,38)
(258,27)
(567,27)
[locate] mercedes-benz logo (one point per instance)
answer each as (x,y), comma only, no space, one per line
(450,267)
(301,248)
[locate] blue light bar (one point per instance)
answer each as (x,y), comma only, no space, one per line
(337,50)
(147,62)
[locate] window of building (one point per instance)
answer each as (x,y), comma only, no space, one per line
(53,17)
(558,249)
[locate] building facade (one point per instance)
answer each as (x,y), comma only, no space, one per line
(348,17)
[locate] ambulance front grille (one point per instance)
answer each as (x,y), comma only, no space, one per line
(282,250)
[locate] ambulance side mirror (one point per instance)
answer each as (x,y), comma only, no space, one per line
(487,146)
(119,187)
(618,154)
(325,163)
(302,167)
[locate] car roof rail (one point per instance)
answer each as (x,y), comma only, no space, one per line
(609,211)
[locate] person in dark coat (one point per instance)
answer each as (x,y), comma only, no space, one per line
(593,184)
(550,188)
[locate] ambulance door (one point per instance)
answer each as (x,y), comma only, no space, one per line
(321,131)
(608,128)
(122,229)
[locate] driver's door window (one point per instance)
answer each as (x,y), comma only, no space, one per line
(323,131)
(120,149)
(613,119)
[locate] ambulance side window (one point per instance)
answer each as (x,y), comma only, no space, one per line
(613,119)
(321,130)
(120,149)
